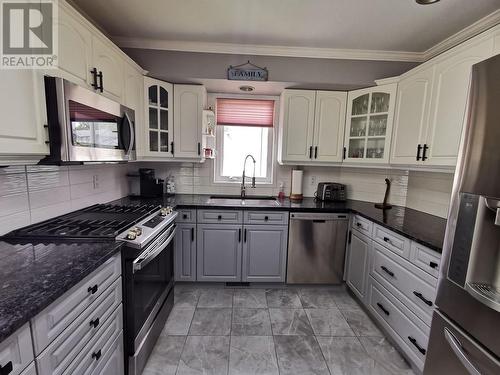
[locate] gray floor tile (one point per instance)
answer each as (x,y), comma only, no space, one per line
(283,298)
(207,355)
(165,356)
(345,301)
(317,298)
(328,322)
(254,298)
(346,356)
(386,355)
(186,297)
(179,321)
(251,322)
(216,298)
(290,322)
(252,355)
(211,322)
(299,355)
(361,323)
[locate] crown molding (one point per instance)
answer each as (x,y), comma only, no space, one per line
(267,50)
(470,31)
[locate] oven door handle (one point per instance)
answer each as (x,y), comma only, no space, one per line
(132,134)
(147,256)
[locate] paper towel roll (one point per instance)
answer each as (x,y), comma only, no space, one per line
(296,192)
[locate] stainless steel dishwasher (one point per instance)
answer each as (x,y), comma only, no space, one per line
(316,248)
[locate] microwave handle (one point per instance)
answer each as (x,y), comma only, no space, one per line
(132,134)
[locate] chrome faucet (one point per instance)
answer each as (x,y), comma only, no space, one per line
(243,189)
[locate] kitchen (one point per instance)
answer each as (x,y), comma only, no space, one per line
(181,196)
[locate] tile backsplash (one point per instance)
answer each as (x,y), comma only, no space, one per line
(29,194)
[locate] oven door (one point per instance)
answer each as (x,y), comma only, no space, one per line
(148,282)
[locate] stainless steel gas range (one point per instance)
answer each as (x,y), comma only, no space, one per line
(147,233)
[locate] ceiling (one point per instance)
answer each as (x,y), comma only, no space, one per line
(382,25)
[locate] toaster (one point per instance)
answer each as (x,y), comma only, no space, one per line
(331,191)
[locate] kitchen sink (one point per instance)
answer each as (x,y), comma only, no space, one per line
(249,201)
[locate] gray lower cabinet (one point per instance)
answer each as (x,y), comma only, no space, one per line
(219,248)
(185,252)
(358,263)
(264,253)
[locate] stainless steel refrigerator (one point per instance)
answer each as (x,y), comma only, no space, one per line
(465,331)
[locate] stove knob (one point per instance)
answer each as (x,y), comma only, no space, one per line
(131,235)
(164,212)
(138,231)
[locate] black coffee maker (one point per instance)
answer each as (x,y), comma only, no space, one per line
(151,187)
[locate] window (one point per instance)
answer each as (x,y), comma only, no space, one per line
(244,126)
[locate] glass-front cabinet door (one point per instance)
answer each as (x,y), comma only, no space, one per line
(159,118)
(369,124)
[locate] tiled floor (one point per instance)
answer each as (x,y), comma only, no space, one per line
(311,330)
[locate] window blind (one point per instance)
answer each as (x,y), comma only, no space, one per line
(245,112)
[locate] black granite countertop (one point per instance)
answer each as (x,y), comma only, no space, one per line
(416,225)
(35,275)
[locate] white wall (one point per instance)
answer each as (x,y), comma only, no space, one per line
(29,194)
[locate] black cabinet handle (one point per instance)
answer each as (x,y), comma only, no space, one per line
(266,218)
(387,239)
(245,236)
(345,150)
(433,265)
(101,87)
(387,271)
(6,369)
(239,235)
(219,217)
(425,300)
(94,79)
(199,148)
(424,151)
(172,147)
(310,152)
(358,224)
(94,323)
(192,234)
(96,355)
(381,307)
(419,148)
(315,152)
(92,289)
(419,348)
(184,216)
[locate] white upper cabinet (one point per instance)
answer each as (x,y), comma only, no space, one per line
(22,105)
(110,68)
(297,127)
(158,116)
(370,114)
(449,98)
(329,124)
(412,117)
(312,126)
(189,102)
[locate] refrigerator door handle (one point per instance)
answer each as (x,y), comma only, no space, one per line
(458,350)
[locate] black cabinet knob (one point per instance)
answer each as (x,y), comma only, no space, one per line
(266,218)
(94,323)
(92,289)
(433,265)
(96,355)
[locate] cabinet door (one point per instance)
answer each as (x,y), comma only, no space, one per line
(110,63)
(219,252)
(75,48)
(412,116)
(22,106)
(449,100)
(329,124)
(264,253)
(297,118)
(369,124)
(158,105)
(189,101)
(185,252)
(358,264)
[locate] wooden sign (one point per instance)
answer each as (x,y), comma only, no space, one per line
(247,72)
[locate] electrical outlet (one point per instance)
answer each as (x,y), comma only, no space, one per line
(313,180)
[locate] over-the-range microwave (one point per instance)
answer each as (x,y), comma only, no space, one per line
(85,126)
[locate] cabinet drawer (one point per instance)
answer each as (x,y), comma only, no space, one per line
(112,361)
(394,242)
(89,357)
(30,370)
(220,216)
(186,216)
(362,225)
(266,217)
(16,352)
(425,259)
(412,340)
(47,325)
(418,287)
(71,341)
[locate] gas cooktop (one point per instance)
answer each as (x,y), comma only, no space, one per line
(97,222)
